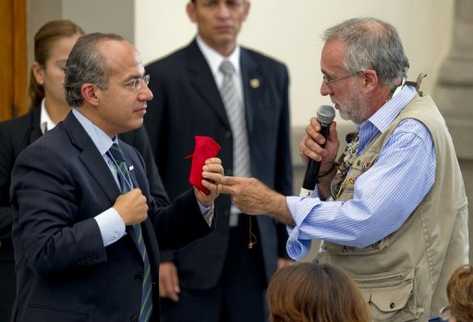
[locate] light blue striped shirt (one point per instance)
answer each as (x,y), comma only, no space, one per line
(384,196)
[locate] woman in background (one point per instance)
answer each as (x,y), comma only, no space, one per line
(52,44)
(309,292)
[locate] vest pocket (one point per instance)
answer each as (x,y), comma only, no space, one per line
(390,296)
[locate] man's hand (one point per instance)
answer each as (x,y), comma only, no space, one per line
(253,197)
(168,281)
(310,145)
(132,207)
(212,174)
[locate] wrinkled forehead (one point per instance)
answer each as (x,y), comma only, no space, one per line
(333,55)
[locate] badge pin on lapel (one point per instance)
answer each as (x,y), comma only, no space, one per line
(255,83)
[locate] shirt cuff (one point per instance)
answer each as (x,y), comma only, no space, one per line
(297,249)
(207,212)
(111,226)
(299,208)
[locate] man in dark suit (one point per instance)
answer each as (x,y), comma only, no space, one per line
(15,136)
(223,276)
(83,251)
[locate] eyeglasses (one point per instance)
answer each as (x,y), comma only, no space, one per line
(135,84)
(327,80)
(445,313)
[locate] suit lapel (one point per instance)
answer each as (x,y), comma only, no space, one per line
(91,157)
(252,88)
(202,80)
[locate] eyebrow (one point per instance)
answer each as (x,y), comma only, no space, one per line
(133,76)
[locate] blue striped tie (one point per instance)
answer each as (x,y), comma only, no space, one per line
(126,184)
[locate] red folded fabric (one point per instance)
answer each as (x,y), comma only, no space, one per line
(205,147)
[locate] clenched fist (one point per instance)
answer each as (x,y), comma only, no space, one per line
(132,207)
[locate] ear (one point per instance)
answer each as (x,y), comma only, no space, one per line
(190,9)
(38,73)
(370,79)
(89,93)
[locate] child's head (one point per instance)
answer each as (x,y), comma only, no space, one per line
(309,292)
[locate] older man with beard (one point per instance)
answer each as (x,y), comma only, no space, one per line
(392,212)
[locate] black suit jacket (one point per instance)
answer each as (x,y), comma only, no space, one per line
(15,136)
(64,272)
(187,103)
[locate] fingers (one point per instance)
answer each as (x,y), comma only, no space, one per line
(168,281)
(212,171)
(132,207)
(213,161)
(333,132)
(211,186)
(237,185)
(311,149)
(312,142)
(230,184)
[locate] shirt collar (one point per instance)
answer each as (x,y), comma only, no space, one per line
(214,58)
(390,110)
(46,124)
(102,141)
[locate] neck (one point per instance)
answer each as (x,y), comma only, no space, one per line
(89,113)
(379,97)
(57,111)
(226,51)
(225,48)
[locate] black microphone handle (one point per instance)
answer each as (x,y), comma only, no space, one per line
(311,177)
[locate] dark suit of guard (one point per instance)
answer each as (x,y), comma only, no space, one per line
(65,273)
(187,103)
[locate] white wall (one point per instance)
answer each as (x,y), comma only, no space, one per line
(291,30)
(91,15)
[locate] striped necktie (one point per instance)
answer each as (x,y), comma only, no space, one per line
(126,184)
(236,116)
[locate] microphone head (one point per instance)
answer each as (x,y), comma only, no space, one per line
(325,115)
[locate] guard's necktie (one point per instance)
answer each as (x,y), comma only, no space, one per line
(236,117)
(126,184)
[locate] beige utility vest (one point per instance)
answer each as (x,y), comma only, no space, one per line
(404,276)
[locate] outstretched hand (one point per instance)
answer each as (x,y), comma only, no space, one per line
(253,197)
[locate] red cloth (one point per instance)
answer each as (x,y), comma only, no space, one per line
(205,147)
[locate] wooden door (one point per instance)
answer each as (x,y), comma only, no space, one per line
(13,59)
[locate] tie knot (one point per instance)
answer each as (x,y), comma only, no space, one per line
(116,153)
(227,68)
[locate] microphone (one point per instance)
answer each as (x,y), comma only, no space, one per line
(325,116)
